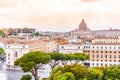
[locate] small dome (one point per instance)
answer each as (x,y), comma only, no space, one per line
(82,25)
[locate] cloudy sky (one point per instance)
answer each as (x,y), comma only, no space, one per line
(59,15)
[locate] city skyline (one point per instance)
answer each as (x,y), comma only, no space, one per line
(59,15)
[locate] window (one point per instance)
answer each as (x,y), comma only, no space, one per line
(93,56)
(119,56)
(97,51)
(110,56)
(105,47)
(101,64)
(110,47)
(101,56)
(97,56)
(110,60)
(23,46)
(105,56)
(78,47)
(93,64)
(118,60)
(110,51)
(62,47)
(8,54)
(114,56)
(16,54)
(114,51)
(114,47)
(105,51)
(114,60)
(101,51)
(101,47)
(97,64)
(118,47)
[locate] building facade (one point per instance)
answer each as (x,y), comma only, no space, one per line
(102,51)
(18,49)
(70,48)
(82,32)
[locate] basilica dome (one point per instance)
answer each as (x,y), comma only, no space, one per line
(82,25)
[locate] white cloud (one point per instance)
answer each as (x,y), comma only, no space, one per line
(61,13)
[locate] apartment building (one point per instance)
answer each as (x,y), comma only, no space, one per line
(103,51)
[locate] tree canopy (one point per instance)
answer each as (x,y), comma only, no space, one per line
(64,58)
(94,74)
(68,72)
(113,73)
(26,77)
(1,51)
(32,61)
(2,34)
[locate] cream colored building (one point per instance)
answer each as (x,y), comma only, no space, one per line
(18,49)
(102,51)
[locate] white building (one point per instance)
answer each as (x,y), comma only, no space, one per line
(51,45)
(70,48)
(18,49)
(15,51)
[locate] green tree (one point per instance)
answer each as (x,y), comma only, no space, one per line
(103,69)
(32,61)
(80,57)
(26,77)
(69,72)
(64,76)
(57,58)
(94,74)
(1,51)
(76,69)
(37,34)
(2,34)
(59,74)
(113,73)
